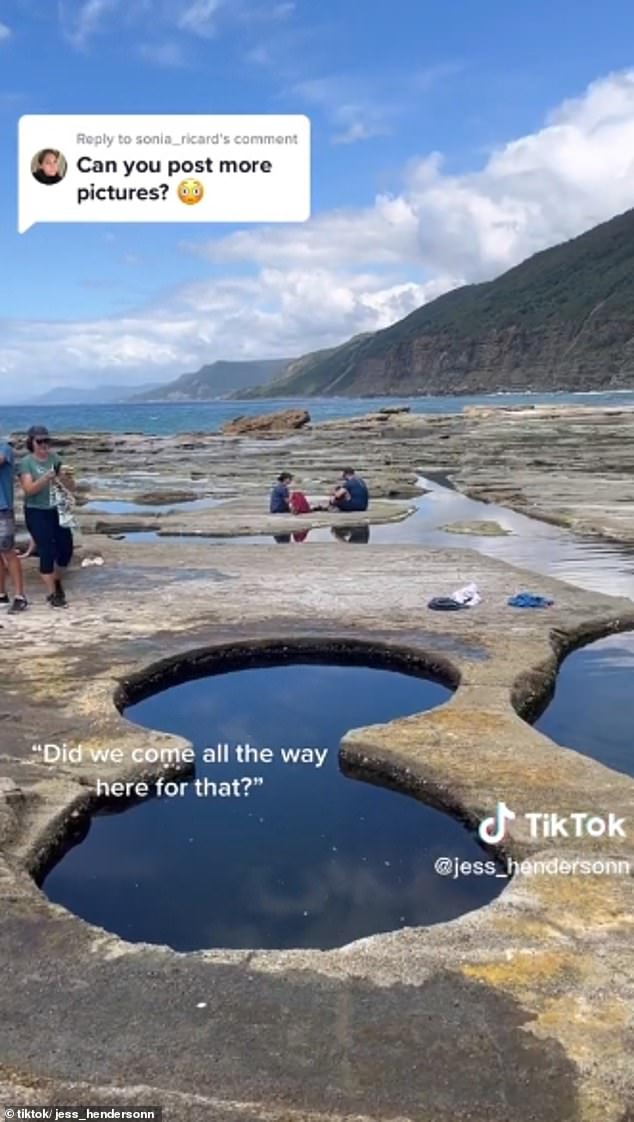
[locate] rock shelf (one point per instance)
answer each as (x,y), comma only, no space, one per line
(522,1010)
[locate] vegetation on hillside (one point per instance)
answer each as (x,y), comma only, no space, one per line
(565,313)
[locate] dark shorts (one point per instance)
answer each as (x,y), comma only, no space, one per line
(348,506)
(7,531)
(54,542)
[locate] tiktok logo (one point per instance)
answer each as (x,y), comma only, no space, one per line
(493,829)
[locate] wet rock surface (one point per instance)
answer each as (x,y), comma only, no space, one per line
(569,465)
(238,518)
(522,1010)
(81,1006)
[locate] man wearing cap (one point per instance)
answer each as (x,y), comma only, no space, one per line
(8,555)
(39,470)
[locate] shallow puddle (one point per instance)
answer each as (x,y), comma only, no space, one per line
(309,858)
(536,546)
(112,506)
(592,710)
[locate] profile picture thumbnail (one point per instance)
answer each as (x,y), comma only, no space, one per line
(48,166)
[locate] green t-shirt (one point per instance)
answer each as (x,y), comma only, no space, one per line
(29,465)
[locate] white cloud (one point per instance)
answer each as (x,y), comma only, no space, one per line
(279,312)
(356,108)
(382,234)
(358,129)
(535,191)
(346,271)
(424,80)
(266,13)
(161,23)
(5,32)
(198,17)
(355,112)
(81,21)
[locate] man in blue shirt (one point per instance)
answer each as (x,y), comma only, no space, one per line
(8,557)
(280,495)
(352,494)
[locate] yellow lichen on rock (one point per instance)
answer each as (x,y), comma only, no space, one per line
(585,902)
(527,971)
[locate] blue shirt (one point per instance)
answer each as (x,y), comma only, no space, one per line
(279,499)
(6,477)
(358,492)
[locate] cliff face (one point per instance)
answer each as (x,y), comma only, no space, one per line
(512,359)
(562,320)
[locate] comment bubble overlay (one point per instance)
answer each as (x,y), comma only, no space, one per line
(157,168)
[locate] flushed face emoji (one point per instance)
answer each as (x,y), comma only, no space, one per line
(190,191)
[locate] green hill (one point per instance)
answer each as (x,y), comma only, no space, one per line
(562,320)
(219,379)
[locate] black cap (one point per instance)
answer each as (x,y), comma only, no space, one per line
(37,432)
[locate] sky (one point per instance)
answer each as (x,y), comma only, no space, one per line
(451,139)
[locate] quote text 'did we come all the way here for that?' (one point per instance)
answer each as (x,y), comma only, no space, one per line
(178,760)
(235,168)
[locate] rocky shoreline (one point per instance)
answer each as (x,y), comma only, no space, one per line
(572,466)
(521,1010)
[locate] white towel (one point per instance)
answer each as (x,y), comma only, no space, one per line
(468,595)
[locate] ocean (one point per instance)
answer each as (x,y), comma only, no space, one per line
(168,418)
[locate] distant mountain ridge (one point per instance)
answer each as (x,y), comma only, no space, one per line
(94,395)
(562,320)
(216,380)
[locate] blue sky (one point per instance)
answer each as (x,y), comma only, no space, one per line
(450,140)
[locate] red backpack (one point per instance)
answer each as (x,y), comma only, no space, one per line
(299,503)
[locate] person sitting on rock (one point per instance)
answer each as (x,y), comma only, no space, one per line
(283,501)
(351,494)
(280,495)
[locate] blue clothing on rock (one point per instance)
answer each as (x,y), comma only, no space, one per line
(6,477)
(280,499)
(529,600)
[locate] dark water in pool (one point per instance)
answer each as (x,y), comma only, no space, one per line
(310,858)
(593,707)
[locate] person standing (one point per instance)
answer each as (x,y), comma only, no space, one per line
(9,560)
(40,471)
